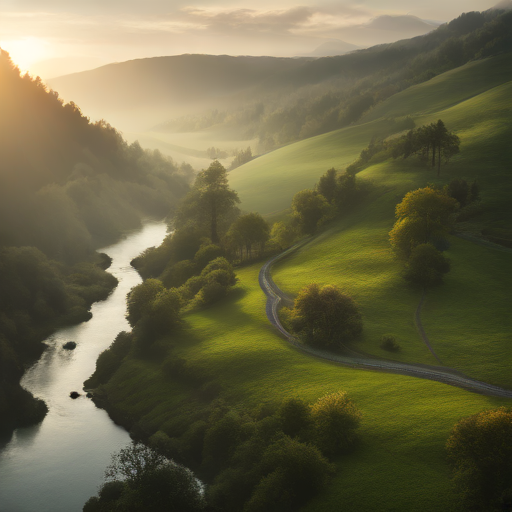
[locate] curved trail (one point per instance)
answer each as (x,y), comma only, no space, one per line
(355,360)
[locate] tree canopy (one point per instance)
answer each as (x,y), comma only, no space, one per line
(311,208)
(325,317)
(480,449)
(209,202)
(423,214)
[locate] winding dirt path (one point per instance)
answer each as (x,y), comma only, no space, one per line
(275,296)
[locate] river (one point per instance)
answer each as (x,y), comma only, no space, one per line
(58,464)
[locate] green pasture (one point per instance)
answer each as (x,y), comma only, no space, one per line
(400,463)
(461,97)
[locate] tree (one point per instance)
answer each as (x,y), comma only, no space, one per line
(209,200)
(423,214)
(434,137)
(248,231)
(327,185)
(283,234)
(139,479)
(311,208)
(426,266)
(325,317)
(140,299)
(480,449)
(335,419)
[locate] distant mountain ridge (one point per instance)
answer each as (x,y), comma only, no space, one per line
(140,94)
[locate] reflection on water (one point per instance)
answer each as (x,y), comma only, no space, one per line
(57,465)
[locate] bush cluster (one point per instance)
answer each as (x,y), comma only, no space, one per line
(253,462)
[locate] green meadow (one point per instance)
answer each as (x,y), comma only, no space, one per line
(400,463)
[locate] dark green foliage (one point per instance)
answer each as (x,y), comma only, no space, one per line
(342,189)
(389,343)
(464,192)
(327,185)
(284,234)
(210,205)
(311,209)
(295,418)
(109,360)
(294,473)
(176,275)
(325,317)
(426,266)
(480,450)
(205,254)
(220,441)
(141,298)
(433,139)
(241,157)
(142,480)
(248,232)
(335,419)
(38,295)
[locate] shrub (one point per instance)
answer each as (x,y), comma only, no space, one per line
(388,342)
(335,419)
(480,449)
(325,317)
(426,266)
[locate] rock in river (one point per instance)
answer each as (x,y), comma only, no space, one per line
(74,394)
(70,345)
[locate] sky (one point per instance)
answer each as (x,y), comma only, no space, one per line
(55,37)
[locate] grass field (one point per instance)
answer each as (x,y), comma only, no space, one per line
(400,464)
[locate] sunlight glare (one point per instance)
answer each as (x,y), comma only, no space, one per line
(27,51)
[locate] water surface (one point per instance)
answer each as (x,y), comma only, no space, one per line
(57,465)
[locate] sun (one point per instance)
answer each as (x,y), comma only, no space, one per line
(26,51)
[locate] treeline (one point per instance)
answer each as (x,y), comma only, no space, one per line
(38,295)
(271,457)
(67,186)
(349,85)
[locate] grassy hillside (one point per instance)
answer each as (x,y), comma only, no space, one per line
(268,183)
(405,421)
(401,463)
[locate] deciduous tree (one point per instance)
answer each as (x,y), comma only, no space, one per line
(311,208)
(325,317)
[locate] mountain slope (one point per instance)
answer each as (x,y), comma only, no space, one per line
(268,183)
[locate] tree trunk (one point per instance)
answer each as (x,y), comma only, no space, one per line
(439,161)
(433,155)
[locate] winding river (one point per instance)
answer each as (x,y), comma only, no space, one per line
(57,465)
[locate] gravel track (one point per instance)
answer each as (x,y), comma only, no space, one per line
(275,297)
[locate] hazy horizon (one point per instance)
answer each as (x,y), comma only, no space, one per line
(53,38)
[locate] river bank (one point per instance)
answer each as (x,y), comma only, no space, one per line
(56,465)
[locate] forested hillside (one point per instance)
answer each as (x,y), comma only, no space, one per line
(67,186)
(279,100)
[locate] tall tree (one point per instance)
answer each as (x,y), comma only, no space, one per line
(423,214)
(310,207)
(209,200)
(248,231)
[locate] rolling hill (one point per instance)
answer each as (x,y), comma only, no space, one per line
(400,464)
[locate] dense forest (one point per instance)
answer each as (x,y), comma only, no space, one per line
(67,186)
(332,92)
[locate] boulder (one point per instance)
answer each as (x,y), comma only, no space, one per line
(74,394)
(70,345)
